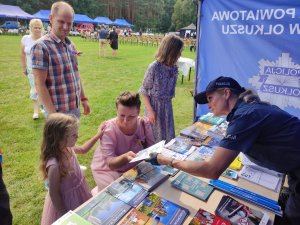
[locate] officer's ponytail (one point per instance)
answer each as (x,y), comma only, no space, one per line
(249,96)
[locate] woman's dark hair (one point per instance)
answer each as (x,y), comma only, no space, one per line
(129,99)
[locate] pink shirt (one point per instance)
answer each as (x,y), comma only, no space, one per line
(115,143)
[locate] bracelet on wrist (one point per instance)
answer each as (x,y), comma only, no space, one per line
(84,99)
(171,163)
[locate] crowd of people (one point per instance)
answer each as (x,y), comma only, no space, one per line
(50,63)
(266,133)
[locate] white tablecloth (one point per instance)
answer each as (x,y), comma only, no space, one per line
(184,65)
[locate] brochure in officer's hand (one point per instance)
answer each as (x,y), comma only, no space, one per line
(145,153)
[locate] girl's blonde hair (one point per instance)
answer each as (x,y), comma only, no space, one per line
(35,22)
(169,50)
(56,130)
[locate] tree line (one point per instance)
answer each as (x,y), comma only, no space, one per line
(153,16)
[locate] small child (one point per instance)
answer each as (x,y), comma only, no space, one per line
(67,186)
(158,88)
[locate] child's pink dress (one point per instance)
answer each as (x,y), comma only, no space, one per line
(74,191)
(115,143)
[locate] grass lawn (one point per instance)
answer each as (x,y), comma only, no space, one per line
(103,79)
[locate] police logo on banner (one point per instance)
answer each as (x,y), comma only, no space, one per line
(278,82)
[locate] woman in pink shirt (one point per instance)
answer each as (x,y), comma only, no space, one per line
(123,136)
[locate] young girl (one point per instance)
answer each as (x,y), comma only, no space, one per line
(158,88)
(67,186)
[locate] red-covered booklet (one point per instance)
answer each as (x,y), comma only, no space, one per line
(239,214)
(203,217)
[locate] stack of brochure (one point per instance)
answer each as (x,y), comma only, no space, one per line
(147,175)
(218,131)
(197,131)
(104,209)
(260,175)
(71,218)
(193,186)
(163,211)
(128,192)
(182,145)
(211,119)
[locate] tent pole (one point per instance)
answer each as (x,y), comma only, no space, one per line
(197,66)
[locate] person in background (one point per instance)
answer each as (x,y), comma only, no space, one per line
(102,35)
(158,88)
(36,30)
(49,28)
(5,213)
(55,66)
(113,41)
(59,165)
(126,31)
(122,138)
(265,133)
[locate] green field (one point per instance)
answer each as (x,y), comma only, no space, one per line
(103,79)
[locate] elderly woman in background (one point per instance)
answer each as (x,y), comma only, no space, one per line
(36,29)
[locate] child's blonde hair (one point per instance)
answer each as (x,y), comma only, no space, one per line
(169,50)
(54,142)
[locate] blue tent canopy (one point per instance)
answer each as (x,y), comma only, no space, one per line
(10,11)
(79,18)
(102,20)
(42,15)
(122,23)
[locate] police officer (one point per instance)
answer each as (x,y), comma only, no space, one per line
(268,135)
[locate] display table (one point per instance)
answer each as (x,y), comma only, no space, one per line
(193,204)
(185,66)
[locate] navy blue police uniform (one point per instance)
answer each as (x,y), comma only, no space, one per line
(271,137)
(265,133)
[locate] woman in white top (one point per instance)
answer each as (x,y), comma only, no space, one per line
(36,29)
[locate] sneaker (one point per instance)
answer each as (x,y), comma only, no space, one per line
(35,116)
